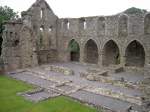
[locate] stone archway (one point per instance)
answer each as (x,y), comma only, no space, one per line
(135,54)
(111,55)
(74,50)
(91,52)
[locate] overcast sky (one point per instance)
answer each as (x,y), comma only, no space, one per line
(79,8)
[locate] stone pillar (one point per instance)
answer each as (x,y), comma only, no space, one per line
(34,58)
(82,55)
(147,66)
(122,60)
(100,59)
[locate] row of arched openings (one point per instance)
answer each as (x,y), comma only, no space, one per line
(134,53)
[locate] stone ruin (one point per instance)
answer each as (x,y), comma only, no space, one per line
(40,37)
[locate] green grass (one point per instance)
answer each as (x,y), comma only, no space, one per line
(10,102)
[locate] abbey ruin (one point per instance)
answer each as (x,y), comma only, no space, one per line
(41,37)
(120,41)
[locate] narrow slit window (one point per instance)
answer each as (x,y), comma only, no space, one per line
(68,25)
(50,29)
(41,28)
(84,25)
(42,13)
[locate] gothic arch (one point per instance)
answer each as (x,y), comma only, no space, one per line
(135,54)
(111,53)
(91,52)
(74,50)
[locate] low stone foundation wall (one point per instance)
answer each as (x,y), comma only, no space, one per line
(118,95)
(63,70)
(104,77)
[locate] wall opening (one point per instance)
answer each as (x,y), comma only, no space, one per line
(66,24)
(147,24)
(74,50)
(42,28)
(91,52)
(11,34)
(50,28)
(1,41)
(82,23)
(111,55)
(42,13)
(135,54)
(15,43)
(123,25)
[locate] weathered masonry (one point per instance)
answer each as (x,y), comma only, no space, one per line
(41,37)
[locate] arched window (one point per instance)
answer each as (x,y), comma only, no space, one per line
(50,28)
(11,34)
(82,23)
(123,25)
(42,28)
(42,13)
(66,24)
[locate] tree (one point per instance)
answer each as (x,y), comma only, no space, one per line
(134,10)
(74,46)
(6,13)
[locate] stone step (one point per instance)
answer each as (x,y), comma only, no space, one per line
(103,101)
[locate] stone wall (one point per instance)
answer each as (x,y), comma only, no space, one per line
(122,29)
(40,37)
(11,46)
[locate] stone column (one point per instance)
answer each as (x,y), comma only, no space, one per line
(122,60)
(81,55)
(100,59)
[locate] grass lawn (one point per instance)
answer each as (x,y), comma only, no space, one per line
(10,102)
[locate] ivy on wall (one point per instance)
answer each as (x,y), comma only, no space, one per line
(73,46)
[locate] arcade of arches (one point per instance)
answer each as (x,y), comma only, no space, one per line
(134,53)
